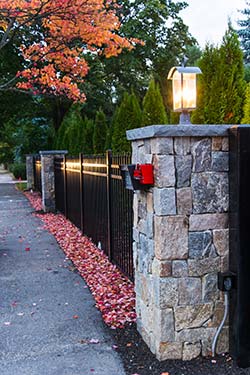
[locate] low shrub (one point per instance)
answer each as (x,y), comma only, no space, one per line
(18,170)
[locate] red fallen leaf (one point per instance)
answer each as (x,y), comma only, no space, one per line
(75,316)
(94,341)
(113,292)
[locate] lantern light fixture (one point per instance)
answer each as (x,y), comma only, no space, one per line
(184,90)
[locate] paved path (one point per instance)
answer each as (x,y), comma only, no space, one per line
(5,176)
(48,322)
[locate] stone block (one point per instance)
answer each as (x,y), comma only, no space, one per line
(200,245)
(183,164)
(191,350)
(150,202)
(195,334)
(164,201)
(210,192)
(194,316)
(135,210)
(218,314)
(147,316)
(142,226)
(223,341)
(164,171)
(146,254)
(136,234)
(216,143)
(144,153)
(142,207)
(208,221)
(225,144)
(220,161)
(146,289)
(225,263)
(210,290)
(171,237)
(165,292)
(201,267)
(189,291)
(168,350)
(163,327)
(184,201)
(179,268)
(161,268)
(221,241)
(150,225)
(182,145)
(162,146)
(201,152)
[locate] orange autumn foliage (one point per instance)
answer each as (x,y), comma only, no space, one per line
(56,36)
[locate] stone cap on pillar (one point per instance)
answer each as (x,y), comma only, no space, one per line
(53,152)
(154,131)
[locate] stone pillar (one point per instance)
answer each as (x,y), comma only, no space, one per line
(181,238)
(48,179)
(30,171)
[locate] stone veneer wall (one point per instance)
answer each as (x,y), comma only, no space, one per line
(30,171)
(48,178)
(181,238)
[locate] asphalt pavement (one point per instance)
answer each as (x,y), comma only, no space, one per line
(48,321)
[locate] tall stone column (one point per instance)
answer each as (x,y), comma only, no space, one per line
(30,171)
(181,238)
(48,179)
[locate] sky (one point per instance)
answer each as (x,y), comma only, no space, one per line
(208,19)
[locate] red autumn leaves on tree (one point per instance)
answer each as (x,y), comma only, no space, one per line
(53,36)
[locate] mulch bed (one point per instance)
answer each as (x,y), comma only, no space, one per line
(138,360)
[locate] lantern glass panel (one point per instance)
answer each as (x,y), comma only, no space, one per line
(184,91)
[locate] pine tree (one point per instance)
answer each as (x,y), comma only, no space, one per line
(100,132)
(153,108)
(244,32)
(246,108)
(127,116)
(221,85)
(232,78)
(86,136)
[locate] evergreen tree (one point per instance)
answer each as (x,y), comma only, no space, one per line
(221,85)
(246,108)
(100,132)
(232,78)
(153,108)
(86,136)
(244,32)
(127,116)
(69,136)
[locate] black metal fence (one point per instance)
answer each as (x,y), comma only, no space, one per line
(37,173)
(89,191)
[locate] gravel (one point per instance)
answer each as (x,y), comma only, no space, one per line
(138,360)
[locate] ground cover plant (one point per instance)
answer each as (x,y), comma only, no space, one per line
(112,291)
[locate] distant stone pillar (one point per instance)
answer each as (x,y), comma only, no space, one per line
(30,173)
(181,238)
(48,178)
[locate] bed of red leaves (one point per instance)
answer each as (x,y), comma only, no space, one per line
(113,292)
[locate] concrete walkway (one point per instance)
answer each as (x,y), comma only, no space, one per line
(48,322)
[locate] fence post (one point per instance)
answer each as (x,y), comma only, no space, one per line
(109,162)
(65,185)
(81,192)
(48,179)
(30,171)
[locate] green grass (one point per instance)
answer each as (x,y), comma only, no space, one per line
(21,186)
